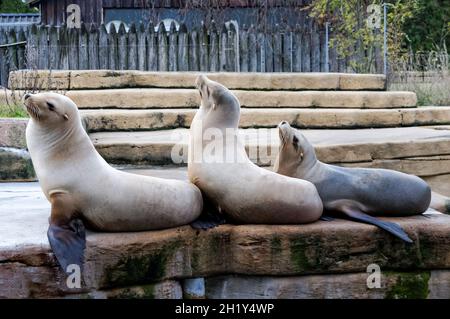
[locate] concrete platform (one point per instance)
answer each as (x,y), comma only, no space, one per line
(153,264)
(101,79)
(189,98)
(363,146)
(133,120)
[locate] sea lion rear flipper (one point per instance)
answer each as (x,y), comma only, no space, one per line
(66,235)
(390,227)
(210,217)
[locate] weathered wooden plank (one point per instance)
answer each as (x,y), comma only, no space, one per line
(73,48)
(203,47)
(297,50)
(323,52)
(141,47)
(4,65)
(262,54)
(287,51)
(122,48)
(269,51)
(214,52)
(306,51)
(93,46)
(277,50)
(173,48)
(43,47)
(32,53)
(113,47)
(233,49)
(21,50)
(83,51)
(63,48)
(223,48)
(253,51)
(12,50)
(243,50)
(315,49)
(194,51)
(103,48)
(183,49)
(163,47)
(152,47)
(132,48)
(53,45)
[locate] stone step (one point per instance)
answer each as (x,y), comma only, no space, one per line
(190,98)
(134,120)
(423,151)
(105,79)
(28,268)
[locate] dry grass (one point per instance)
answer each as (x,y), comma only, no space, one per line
(428,75)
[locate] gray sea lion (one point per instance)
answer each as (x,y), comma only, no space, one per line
(357,193)
(226,176)
(83,188)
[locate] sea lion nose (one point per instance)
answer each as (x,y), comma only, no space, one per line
(27,96)
(283,123)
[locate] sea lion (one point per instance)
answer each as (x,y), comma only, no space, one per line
(83,188)
(226,176)
(356,193)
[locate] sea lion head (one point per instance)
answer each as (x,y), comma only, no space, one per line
(296,152)
(50,109)
(218,101)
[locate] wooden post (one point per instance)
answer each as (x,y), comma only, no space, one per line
(152,48)
(43,47)
(263,56)
(173,48)
(122,47)
(53,44)
(83,51)
(252,49)
(141,47)
(4,65)
(32,53)
(73,48)
(63,48)
(297,50)
(204,52)
(287,51)
(277,50)
(223,48)
(214,64)
(132,48)
(21,51)
(93,45)
(243,48)
(183,49)
(103,48)
(163,54)
(12,51)
(112,47)
(315,49)
(194,52)
(232,48)
(306,51)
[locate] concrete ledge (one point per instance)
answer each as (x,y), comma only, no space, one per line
(123,260)
(134,120)
(15,165)
(189,98)
(12,132)
(102,79)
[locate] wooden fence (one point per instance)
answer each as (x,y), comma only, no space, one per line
(150,47)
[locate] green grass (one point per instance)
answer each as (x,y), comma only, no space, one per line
(12,110)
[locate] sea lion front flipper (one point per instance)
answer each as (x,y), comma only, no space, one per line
(66,234)
(393,228)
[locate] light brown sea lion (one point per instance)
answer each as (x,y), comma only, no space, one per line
(356,193)
(226,176)
(82,187)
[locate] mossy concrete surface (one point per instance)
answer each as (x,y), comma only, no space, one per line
(142,259)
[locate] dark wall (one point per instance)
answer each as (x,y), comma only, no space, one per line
(54,11)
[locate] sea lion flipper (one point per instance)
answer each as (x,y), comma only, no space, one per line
(326,218)
(68,243)
(66,234)
(390,227)
(210,217)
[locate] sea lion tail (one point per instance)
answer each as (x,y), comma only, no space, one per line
(390,227)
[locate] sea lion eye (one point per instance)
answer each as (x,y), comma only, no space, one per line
(51,107)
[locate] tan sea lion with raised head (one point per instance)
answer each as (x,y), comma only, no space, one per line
(82,187)
(356,193)
(226,177)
